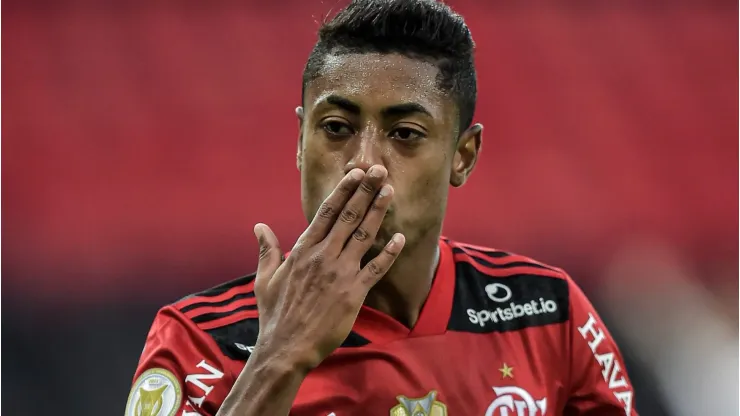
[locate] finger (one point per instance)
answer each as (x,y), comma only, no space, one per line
(376,268)
(354,211)
(364,235)
(330,208)
(270,256)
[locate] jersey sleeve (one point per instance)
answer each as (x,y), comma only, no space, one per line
(599,384)
(180,371)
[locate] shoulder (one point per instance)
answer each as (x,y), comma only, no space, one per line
(500,291)
(220,305)
(226,313)
(494,263)
(184,357)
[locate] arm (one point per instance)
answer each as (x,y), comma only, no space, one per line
(269,381)
(308,303)
(180,370)
(599,384)
(181,373)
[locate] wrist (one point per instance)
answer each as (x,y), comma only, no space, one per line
(280,360)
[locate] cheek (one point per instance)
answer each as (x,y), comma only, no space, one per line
(424,193)
(319,175)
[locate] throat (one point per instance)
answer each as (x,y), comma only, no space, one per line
(402,292)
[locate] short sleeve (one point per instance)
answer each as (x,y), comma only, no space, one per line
(180,371)
(599,381)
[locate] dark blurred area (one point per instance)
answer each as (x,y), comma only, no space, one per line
(142,140)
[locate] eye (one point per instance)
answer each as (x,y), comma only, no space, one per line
(406,134)
(337,128)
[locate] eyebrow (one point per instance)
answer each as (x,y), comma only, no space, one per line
(343,103)
(390,111)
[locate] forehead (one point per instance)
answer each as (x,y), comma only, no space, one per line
(378,80)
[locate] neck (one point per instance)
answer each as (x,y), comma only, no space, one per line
(404,289)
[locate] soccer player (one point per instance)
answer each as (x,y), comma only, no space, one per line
(372,312)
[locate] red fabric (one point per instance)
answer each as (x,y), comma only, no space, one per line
(598,378)
(177,345)
(570,368)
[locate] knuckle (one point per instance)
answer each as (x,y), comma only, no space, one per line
(264,252)
(375,269)
(367,188)
(325,211)
(349,215)
(316,259)
(361,234)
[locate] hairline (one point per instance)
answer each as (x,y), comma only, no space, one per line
(339,50)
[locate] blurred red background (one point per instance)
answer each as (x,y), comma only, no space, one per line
(143,139)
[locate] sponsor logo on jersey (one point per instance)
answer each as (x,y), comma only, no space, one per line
(155,393)
(611,369)
(504,311)
(498,292)
(425,406)
(515,401)
(485,304)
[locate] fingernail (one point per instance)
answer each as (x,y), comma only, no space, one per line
(385,190)
(258,230)
(398,239)
(356,174)
(373,172)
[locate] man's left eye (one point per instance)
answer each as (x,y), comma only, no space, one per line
(406,134)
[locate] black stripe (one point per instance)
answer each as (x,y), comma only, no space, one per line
(221,303)
(491,253)
(487,263)
(221,289)
(207,317)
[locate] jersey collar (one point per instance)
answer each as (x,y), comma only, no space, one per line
(376,326)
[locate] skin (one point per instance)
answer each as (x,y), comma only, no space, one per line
(346,124)
(374,188)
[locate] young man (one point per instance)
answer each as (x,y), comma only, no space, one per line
(372,312)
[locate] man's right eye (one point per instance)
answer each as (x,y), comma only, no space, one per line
(337,128)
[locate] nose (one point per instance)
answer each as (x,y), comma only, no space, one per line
(366,151)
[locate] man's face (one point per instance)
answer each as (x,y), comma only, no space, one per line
(374,109)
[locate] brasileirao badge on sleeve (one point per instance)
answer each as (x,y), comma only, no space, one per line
(155,393)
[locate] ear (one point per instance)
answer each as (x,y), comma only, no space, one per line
(299,152)
(466,154)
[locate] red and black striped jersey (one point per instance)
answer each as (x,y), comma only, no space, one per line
(499,334)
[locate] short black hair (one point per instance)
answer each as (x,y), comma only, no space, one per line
(427,30)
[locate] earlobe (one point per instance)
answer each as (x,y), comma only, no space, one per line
(466,155)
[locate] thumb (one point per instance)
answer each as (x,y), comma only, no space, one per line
(270,255)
